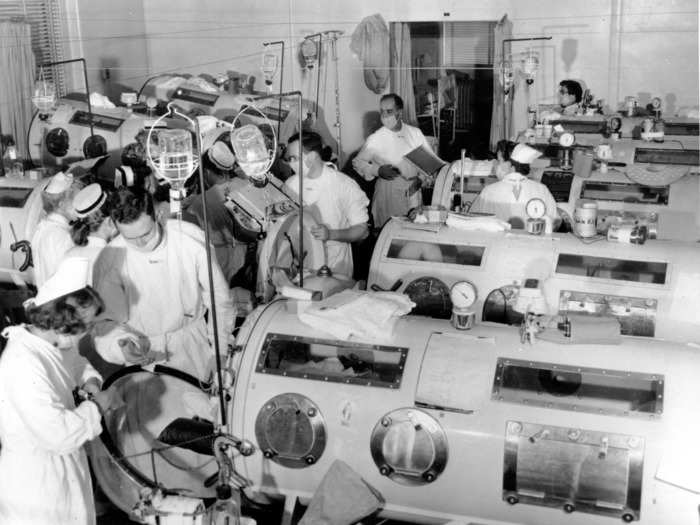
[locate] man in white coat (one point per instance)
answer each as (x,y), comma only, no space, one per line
(154,278)
(44,476)
(52,238)
(334,199)
(397,189)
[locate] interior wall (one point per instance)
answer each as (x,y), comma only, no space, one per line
(619,47)
(112,39)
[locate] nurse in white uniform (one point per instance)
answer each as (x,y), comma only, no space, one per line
(52,238)
(507,199)
(334,199)
(44,476)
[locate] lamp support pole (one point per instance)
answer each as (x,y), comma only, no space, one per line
(279,109)
(210,272)
(85,77)
(503,56)
(301,179)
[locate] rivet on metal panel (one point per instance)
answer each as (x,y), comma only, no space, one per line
(386,421)
(311,412)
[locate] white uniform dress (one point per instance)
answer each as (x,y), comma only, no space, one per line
(508,197)
(384,146)
(90,251)
(44,476)
(164,295)
(50,243)
(337,201)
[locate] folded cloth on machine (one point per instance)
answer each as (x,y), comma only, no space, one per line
(365,315)
(469,223)
(98,100)
(585,329)
(342,498)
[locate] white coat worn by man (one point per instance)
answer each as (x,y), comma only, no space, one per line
(44,476)
(507,199)
(52,238)
(382,157)
(334,199)
(154,278)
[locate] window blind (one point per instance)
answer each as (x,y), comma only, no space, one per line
(467,43)
(48,32)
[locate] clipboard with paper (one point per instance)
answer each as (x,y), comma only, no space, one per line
(425,160)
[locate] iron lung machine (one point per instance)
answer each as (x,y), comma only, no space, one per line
(473,427)
(652,289)
(64,137)
(670,211)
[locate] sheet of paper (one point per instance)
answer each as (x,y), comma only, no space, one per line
(455,373)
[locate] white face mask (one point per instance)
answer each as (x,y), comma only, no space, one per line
(304,167)
(389,121)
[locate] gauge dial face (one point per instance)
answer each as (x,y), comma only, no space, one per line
(615,123)
(463,294)
(656,103)
(535,208)
(566,140)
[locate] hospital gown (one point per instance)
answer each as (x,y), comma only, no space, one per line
(391,197)
(44,476)
(50,242)
(164,294)
(335,200)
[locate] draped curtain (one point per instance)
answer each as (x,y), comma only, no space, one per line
(402,69)
(503,30)
(17,66)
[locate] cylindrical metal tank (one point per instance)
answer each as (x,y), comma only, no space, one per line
(671,211)
(652,289)
(63,137)
(474,426)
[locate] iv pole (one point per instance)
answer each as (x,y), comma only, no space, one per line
(301,179)
(279,109)
(333,36)
(503,56)
(85,77)
(318,68)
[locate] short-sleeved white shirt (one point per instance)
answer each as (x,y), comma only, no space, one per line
(337,201)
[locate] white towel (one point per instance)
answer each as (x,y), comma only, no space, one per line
(363,315)
(464,222)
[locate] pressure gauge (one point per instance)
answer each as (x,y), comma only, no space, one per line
(535,208)
(463,294)
(656,103)
(615,123)
(566,139)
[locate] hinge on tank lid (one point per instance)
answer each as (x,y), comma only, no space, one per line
(637,315)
